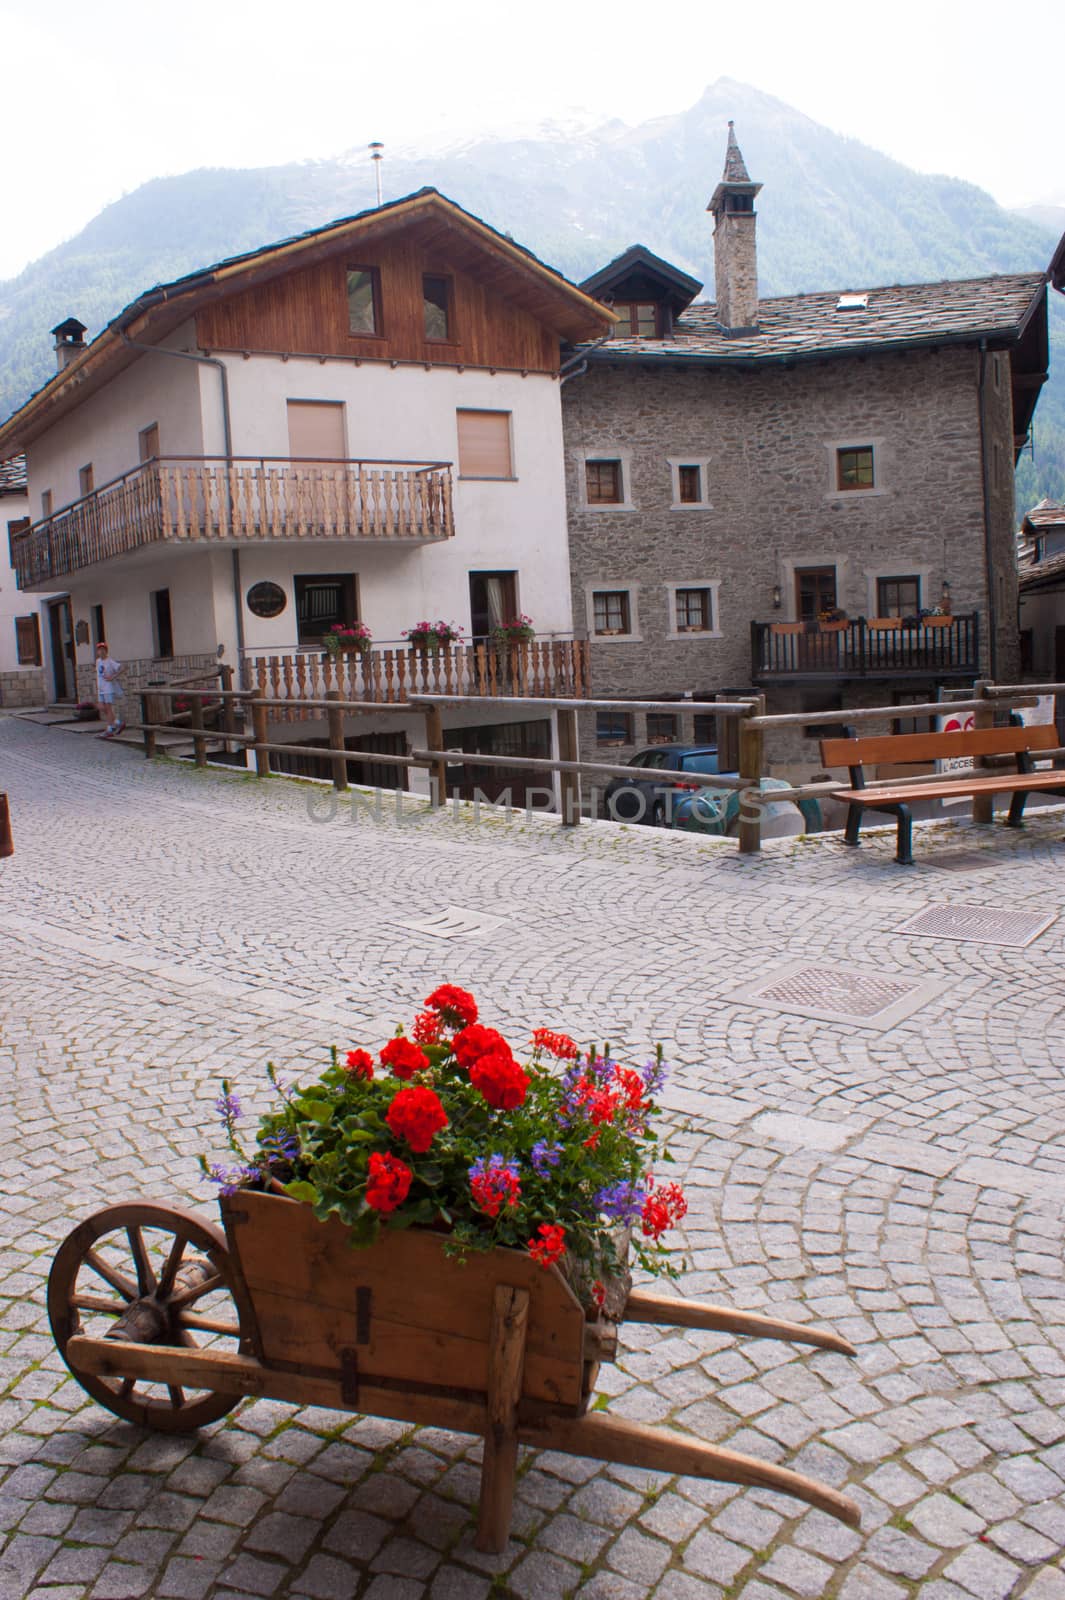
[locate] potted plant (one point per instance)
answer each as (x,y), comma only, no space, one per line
(352,638)
(445,1128)
(516,630)
(431,637)
(86,711)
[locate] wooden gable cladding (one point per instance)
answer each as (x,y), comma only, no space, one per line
(305,311)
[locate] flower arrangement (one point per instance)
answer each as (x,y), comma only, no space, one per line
(353,636)
(516,630)
(432,635)
(446,1128)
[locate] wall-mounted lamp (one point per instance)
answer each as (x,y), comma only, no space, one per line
(944,599)
(776,597)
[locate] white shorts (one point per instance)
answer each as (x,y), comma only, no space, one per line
(109,695)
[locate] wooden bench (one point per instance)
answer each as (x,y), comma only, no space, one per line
(905,748)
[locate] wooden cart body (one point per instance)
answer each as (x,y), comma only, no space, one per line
(493,1345)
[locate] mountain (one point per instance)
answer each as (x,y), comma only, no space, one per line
(833,214)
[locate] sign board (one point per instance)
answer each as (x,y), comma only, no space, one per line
(955,722)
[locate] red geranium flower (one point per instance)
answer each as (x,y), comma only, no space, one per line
(404,1058)
(477,1041)
(360,1063)
(500,1079)
(417,1116)
(600,1106)
(598,1293)
(632,1086)
(556,1044)
(456,1006)
(550,1246)
(427,1028)
(389,1182)
(663,1209)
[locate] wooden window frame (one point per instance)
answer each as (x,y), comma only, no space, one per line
(663,737)
(855,451)
(508,419)
(706,607)
(144,438)
(47,504)
(629,326)
(86,480)
(17,526)
(374,275)
(624,725)
(33,632)
(623,607)
(450,336)
(593,474)
(898,579)
(689,475)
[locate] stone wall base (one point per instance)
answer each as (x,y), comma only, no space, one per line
(23,688)
(137,676)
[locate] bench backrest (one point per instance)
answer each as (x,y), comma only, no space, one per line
(903,748)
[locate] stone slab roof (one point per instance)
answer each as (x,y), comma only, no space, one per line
(806,326)
(13,475)
(1043,574)
(1047,514)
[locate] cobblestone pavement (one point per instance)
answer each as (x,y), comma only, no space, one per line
(900,1177)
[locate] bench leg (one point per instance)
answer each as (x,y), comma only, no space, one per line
(1017,803)
(854,823)
(904,846)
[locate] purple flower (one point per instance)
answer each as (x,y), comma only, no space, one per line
(654,1075)
(283,1146)
(228,1107)
(229,1179)
(489,1166)
(622,1200)
(544,1156)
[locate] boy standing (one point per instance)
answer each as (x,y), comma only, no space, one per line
(108,691)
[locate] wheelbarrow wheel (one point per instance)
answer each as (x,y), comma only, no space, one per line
(153,1275)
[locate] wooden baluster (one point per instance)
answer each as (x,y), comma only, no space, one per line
(401,675)
(493,669)
(375,675)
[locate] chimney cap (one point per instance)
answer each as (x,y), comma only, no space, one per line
(69,332)
(735,179)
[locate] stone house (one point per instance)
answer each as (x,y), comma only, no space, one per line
(774,494)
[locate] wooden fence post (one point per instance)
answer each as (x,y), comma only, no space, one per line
(336,741)
(199,743)
(7,842)
(149,733)
(752,756)
(262,756)
(229,707)
(983,717)
(569,782)
(434,740)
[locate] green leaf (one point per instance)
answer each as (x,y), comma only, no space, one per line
(299,1189)
(317,1110)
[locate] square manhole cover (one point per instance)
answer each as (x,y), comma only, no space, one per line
(839,994)
(978,924)
(453,922)
(964,861)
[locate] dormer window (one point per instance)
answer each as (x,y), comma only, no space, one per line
(640,319)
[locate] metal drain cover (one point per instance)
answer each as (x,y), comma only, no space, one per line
(453,922)
(839,994)
(978,924)
(964,861)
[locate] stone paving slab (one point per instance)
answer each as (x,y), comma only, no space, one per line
(160,926)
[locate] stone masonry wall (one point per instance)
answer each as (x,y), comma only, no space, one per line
(136,676)
(22,688)
(768,439)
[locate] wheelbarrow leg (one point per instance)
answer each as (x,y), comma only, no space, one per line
(506,1359)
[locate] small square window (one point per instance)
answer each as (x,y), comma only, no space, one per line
(436,299)
(148,442)
(363,297)
(611,612)
(898,597)
(661,727)
(694,611)
(85,479)
(689,485)
(639,320)
(603,481)
(614,727)
(854,468)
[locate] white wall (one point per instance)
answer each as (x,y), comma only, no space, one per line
(104,430)
(13,507)
(200,604)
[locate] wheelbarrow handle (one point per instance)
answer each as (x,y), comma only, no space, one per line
(669,1312)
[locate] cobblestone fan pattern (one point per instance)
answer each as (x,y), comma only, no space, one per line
(904,1184)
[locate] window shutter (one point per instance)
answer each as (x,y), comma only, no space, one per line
(484,444)
(19,525)
(28,640)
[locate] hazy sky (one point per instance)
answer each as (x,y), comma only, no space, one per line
(97,99)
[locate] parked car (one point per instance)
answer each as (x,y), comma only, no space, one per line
(717,812)
(641,799)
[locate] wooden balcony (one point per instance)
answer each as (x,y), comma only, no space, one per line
(205,500)
(880,647)
(541,669)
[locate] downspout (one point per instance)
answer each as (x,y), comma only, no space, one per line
(992,618)
(227,444)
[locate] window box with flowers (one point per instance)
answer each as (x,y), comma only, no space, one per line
(352,638)
(431,637)
(516,630)
(437,1231)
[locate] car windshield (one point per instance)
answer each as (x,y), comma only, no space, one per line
(702,761)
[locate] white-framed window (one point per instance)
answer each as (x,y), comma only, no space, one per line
(689,477)
(604,480)
(613,614)
(855,468)
(693,609)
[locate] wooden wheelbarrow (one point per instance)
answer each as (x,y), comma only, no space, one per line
(169,1323)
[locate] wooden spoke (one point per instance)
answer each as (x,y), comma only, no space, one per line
(127,1387)
(186,1297)
(92,1302)
(177,1396)
(173,1261)
(208,1324)
(118,1280)
(145,1275)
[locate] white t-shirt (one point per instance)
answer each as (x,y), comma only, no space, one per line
(107,671)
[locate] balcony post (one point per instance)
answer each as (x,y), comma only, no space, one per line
(569,782)
(983,717)
(262,755)
(336,741)
(752,758)
(199,743)
(149,733)
(434,740)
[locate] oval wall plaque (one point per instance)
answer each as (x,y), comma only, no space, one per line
(266,600)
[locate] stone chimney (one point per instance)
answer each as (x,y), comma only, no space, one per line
(735,254)
(69,342)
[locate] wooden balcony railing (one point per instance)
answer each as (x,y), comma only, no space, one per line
(208,498)
(881,647)
(543,668)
